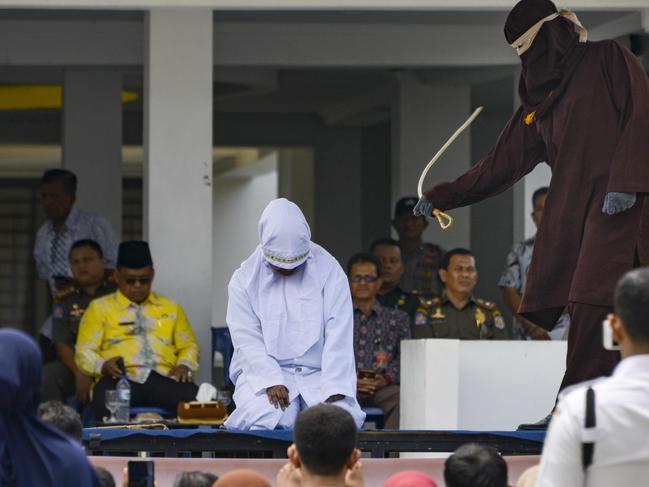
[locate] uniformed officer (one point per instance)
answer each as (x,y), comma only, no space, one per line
(61,378)
(391,295)
(420,259)
(457,313)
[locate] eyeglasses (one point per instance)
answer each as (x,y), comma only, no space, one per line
(142,280)
(358,278)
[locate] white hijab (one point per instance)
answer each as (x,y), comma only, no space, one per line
(290,308)
(284,234)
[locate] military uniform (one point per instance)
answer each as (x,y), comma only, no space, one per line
(478,320)
(420,270)
(71,303)
(401,300)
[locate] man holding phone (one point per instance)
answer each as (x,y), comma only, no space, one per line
(378,331)
(140,334)
(598,434)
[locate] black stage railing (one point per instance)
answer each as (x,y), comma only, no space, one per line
(273,444)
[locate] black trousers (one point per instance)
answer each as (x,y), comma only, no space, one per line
(587,359)
(157,391)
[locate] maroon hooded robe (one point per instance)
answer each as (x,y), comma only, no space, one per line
(592,129)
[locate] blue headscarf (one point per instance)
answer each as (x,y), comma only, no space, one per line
(31,452)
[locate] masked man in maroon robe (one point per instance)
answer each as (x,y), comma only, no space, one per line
(585,111)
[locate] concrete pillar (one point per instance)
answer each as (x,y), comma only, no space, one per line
(424,117)
(338,227)
(178,161)
(92,139)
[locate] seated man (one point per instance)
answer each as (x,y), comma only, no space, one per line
(62,378)
(473,464)
(323,451)
(390,294)
(291,321)
(458,314)
(420,259)
(378,332)
(599,438)
(145,331)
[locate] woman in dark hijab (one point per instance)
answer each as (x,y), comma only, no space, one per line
(31,452)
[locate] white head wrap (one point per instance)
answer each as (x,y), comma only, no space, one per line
(289,308)
(284,234)
(524,42)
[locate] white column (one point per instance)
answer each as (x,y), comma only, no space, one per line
(425,116)
(178,161)
(92,139)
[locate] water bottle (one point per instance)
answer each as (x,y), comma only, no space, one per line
(122,415)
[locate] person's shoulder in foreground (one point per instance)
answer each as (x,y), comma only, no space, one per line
(610,414)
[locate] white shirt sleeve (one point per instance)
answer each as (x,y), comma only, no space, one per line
(338,363)
(561,460)
(261,370)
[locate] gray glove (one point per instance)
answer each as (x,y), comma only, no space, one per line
(615,203)
(424,207)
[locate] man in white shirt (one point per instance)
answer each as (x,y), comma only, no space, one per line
(620,435)
(291,320)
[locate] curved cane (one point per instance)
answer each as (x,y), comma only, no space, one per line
(445,220)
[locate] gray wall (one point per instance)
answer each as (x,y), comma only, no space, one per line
(491,220)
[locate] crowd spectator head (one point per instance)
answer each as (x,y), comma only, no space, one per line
(630,320)
(388,251)
(62,417)
(324,442)
(364,272)
(538,204)
(58,191)
(242,478)
(87,262)
(410,478)
(528,477)
(105,478)
(407,225)
(134,273)
(195,479)
(475,465)
(458,272)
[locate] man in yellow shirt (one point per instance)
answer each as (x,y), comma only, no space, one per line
(143,331)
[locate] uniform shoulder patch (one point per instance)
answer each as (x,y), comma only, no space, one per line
(64,293)
(57,311)
(426,301)
(489,305)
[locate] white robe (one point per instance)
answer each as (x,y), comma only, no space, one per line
(295,331)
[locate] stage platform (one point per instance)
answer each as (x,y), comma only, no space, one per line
(218,443)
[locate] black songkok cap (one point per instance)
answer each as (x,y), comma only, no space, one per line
(134,254)
(405,205)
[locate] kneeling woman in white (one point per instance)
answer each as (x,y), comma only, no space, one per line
(291,321)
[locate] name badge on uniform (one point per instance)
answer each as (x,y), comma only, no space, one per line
(480,317)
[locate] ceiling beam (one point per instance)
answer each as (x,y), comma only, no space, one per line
(246,44)
(388,5)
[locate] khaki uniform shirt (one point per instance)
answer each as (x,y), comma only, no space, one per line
(401,300)
(68,310)
(478,320)
(420,270)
